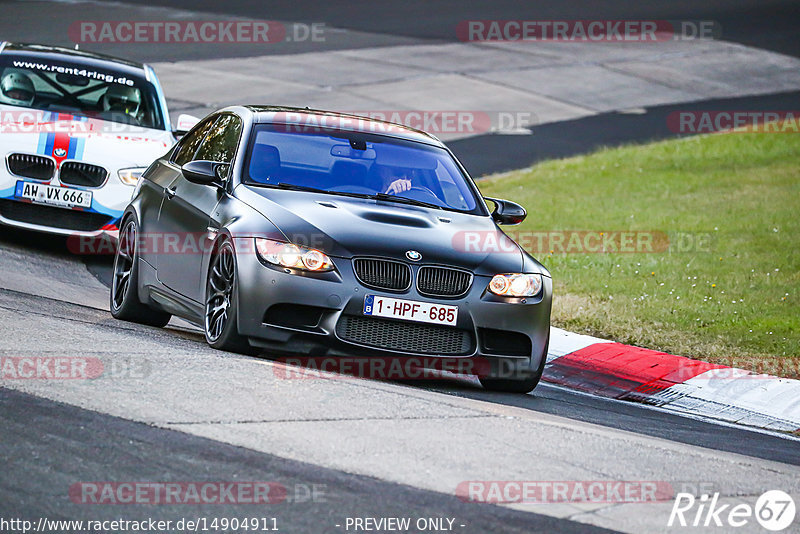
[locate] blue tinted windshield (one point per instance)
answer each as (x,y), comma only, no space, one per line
(358,164)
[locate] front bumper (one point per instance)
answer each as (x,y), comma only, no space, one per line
(56,220)
(334,298)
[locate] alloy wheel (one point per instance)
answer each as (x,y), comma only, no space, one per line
(219,293)
(123,263)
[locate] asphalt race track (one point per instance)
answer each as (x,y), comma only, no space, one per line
(378,448)
(171,409)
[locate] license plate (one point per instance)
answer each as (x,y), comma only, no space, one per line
(64,197)
(410,310)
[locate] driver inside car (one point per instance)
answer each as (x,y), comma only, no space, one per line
(121,99)
(396,180)
(17,89)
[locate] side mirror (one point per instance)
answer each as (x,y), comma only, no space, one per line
(185,123)
(205,172)
(507,212)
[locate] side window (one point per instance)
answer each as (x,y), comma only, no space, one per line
(187,147)
(221,141)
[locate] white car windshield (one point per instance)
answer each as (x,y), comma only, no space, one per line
(79,89)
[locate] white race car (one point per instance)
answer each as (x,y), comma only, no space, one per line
(77,130)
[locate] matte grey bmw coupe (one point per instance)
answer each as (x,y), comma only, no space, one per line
(315,233)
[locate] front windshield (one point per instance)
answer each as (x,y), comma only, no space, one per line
(63,87)
(360,164)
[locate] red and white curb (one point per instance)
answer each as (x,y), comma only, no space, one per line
(677,383)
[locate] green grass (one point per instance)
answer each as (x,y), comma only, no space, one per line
(737,301)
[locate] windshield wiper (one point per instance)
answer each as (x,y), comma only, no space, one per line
(295,187)
(376,196)
(403,200)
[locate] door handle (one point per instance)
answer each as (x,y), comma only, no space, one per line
(169,192)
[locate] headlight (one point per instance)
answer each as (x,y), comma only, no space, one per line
(292,256)
(131,176)
(516,285)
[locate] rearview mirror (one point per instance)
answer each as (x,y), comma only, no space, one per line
(507,212)
(347,151)
(205,172)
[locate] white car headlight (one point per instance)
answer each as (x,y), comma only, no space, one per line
(131,176)
(292,256)
(516,285)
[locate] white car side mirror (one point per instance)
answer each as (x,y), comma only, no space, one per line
(185,123)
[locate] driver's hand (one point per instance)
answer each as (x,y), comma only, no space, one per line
(398,186)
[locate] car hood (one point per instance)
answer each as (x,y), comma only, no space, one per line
(347,227)
(63,137)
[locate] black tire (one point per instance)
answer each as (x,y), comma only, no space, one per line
(124,295)
(522,384)
(222,293)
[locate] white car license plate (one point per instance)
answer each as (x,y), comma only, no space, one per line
(55,196)
(410,310)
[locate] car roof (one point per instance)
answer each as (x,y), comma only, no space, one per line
(306,117)
(81,57)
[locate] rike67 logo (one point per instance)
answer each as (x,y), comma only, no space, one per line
(774,511)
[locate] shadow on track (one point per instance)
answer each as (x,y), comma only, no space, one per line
(630,417)
(611,413)
(56,247)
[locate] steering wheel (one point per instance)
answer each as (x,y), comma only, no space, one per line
(422,193)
